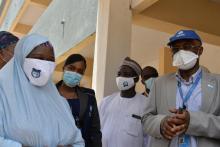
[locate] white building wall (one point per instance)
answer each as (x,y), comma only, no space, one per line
(67,23)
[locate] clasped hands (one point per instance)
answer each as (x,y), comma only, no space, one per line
(175,124)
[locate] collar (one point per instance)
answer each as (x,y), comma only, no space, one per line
(191,79)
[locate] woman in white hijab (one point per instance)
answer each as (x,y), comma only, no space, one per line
(32,113)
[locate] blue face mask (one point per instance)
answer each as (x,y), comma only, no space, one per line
(71,79)
(149,83)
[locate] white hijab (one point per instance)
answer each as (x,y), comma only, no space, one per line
(30,115)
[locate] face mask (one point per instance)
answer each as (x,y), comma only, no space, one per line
(149,83)
(71,79)
(124,83)
(184,60)
(38,71)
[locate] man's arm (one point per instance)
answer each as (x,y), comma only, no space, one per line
(204,124)
(151,120)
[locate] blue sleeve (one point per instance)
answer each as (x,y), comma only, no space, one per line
(9,143)
(78,140)
(3,141)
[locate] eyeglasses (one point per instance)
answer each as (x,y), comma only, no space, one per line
(184,47)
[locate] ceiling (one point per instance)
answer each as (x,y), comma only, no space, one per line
(202,15)
(3,9)
(30,17)
(1,6)
(217,1)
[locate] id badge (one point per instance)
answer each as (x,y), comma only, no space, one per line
(184,141)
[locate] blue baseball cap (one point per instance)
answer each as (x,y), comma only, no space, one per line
(184,34)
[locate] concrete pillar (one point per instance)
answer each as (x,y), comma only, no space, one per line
(113,43)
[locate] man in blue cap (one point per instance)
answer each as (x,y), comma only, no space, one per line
(184,108)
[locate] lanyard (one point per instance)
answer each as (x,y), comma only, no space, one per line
(192,88)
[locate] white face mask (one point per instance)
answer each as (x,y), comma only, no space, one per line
(38,71)
(124,83)
(185,60)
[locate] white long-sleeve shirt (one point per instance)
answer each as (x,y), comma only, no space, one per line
(121,120)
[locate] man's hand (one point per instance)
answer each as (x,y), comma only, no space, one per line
(167,128)
(176,124)
(180,119)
